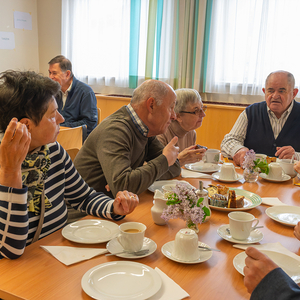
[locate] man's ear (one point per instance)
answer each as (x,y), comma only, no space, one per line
(264,91)
(150,103)
(68,73)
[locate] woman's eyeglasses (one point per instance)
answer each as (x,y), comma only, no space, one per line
(196,111)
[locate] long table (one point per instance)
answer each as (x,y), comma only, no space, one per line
(38,275)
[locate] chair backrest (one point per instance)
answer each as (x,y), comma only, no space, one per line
(72,152)
(99,115)
(70,137)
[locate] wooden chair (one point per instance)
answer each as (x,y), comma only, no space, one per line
(99,115)
(70,137)
(72,152)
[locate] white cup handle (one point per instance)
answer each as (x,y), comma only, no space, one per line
(120,240)
(255,226)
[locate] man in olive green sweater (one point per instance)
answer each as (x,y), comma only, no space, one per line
(123,153)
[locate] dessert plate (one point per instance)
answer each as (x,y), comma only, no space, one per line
(284,214)
(90,231)
(157,185)
(216,176)
(124,280)
(251,200)
(114,246)
(289,264)
(255,236)
(203,167)
(285,177)
(167,249)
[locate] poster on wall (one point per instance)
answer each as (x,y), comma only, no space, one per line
(22,20)
(7,40)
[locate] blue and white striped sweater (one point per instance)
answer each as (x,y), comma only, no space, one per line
(18,226)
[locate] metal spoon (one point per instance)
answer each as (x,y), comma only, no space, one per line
(206,248)
(136,253)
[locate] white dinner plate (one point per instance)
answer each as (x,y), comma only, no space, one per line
(167,249)
(114,246)
(289,264)
(251,200)
(284,214)
(157,185)
(90,231)
(124,280)
(255,236)
(203,167)
(216,176)
(285,177)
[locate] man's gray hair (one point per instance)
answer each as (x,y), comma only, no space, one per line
(150,88)
(290,78)
(64,63)
(184,97)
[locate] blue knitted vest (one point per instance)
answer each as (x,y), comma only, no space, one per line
(260,135)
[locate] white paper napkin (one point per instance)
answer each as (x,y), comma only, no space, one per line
(191,174)
(272,201)
(269,246)
(71,255)
(169,289)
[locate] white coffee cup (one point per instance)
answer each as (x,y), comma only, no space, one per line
(240,224)
(288,167)
(275,171)
(186,245)
(131,236)
(212,156)
(228,171)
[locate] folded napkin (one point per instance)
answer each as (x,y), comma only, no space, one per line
(71,255)
(169,289)
(272,201)
(191,174)
(277,247)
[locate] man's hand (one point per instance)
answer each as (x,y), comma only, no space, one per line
(239,156)
(125,203)
(297,231)
(285,152)
(190,155)
(13,150)
(171,151)
(257,267)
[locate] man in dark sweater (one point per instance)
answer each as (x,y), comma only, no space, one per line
(123,150)
(77,102)
(270,127)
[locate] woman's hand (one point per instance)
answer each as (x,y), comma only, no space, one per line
(125,203)
(297,231)
(190,155)
(13,150)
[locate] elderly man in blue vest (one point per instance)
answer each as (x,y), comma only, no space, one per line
(77,102)
(270,127)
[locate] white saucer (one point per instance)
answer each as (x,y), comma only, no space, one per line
(285,177)
(216,176)
(114,246)
(255,236)
(167,249)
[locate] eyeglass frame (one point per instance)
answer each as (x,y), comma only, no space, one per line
(196,112)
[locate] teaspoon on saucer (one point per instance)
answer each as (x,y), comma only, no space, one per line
(206,248)
(137,253)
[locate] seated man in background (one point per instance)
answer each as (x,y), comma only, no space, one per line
(77,102)
(190,112)
(270,127)
(116,151)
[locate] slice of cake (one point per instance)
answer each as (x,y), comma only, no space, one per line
(235,201)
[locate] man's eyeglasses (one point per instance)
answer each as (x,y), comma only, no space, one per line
(196,111)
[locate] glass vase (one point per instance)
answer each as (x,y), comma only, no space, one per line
(191,225)
(250,175)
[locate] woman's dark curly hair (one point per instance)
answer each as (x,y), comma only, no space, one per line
(24,95)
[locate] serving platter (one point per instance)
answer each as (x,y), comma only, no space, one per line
(251,200)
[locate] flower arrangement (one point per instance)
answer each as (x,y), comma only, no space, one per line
(184,203)
(253,166)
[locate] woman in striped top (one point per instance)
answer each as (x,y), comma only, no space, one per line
(35,171)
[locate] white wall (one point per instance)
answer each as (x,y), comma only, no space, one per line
(25,56)
(49,33)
